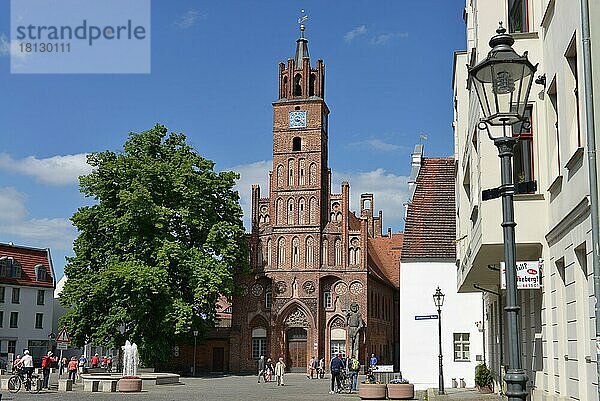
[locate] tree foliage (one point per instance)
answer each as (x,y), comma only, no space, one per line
(161,242)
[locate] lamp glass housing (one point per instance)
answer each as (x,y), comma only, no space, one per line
(438,298)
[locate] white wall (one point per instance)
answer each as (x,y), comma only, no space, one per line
(419,338)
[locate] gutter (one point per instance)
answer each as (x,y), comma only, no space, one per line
(593,173)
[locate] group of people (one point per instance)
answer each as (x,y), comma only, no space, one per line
(266,370)
(316,367)
(74,366)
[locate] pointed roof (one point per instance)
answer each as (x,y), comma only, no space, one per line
(301,50)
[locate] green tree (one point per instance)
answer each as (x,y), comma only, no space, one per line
(162,240)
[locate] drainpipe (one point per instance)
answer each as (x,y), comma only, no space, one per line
(593,173)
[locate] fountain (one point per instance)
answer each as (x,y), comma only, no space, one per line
(130,381)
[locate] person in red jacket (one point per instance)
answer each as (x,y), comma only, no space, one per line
(72,367)
(47,361)
(95,361)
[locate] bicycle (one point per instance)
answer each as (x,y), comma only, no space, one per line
(345,384)
(18,380)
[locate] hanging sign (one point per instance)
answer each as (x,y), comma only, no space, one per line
(529,275)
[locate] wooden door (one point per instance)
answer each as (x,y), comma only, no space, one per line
(296,355)
(218,359)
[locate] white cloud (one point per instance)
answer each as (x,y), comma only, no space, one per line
(12,204)
(253,173)
(390,192)
(56,170)
(387,37)
(189,19)
(376,144)
(351,35)
(15,226)
(8,48)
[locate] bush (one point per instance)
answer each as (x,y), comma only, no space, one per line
(483,376)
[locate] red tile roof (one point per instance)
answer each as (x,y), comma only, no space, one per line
(28,258)
(430,228)
(384,257)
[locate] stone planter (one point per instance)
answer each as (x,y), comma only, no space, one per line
(485,389)
(371,391)
(130,385)
(401,391)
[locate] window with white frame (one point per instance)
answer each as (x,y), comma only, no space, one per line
(268,298)
(518,16)
(461,347)
(41,297)
(259,342)
(39,320)
(327,301)
(523,151)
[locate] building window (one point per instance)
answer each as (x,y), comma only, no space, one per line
(338,252)
(301,211)
(16,295)
(280,253)
(268,298)
(310,252)
(298,85)
(572,95)
(290,216)
(40,297)
(295,251)
(461,347)
(296,144)
(338,347)
(291,173)
(12,346)
(39,320)
(40,273)
(14,320)
(259,342)
(324,252)
(1,318)
(301,172)
(523,151)
(2,291)
(518,16)
(9,267)
(327,302)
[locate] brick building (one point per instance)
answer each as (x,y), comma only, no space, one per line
(311,257)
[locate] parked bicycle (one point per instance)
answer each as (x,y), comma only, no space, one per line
(345,385)
(33,385)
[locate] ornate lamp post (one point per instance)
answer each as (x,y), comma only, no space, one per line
(195,338)
(502,82)
(438,300)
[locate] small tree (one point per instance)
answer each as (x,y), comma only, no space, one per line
(483,376)
(160,244)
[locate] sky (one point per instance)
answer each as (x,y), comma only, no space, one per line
(214,64)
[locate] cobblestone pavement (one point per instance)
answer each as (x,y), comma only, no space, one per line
(226,388)
(462,394)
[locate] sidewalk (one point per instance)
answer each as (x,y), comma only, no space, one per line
(460,394)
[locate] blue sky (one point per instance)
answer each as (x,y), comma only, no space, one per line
(213,77)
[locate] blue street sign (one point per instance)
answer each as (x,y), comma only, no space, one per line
(425,317)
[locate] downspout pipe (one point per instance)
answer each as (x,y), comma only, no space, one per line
(593,173)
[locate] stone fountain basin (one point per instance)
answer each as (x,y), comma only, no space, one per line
(148,378)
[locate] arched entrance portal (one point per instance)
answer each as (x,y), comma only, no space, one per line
(296,349)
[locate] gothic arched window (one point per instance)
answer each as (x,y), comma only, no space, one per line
(280,175)
(298,85)
(310,252)
(301,174)
(291,172)
(269,259)
(311,87)
(301,211)
(338,252)
(313,211)
(325,252)
(290,216)
(280,211)
(295,252)
(284,88)
(280,253)
(313,174)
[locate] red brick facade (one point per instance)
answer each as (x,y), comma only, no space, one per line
(310,256)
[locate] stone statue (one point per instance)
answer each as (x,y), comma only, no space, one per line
(355,324)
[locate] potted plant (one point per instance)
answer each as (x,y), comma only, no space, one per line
(400,389)
(371,389)
(483,379)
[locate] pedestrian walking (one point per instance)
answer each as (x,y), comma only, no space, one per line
(261,368)
(353,367)
(64,362)
(109,363)
(280,372)
(336,369)
(72,368)
(95,361)
(81,364)
(269,370)
(311,367)
(47,361)
(321,372)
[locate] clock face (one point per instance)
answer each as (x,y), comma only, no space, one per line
(297,119)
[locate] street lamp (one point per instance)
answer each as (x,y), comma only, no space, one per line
(438,300)
(195,338)
(502,82)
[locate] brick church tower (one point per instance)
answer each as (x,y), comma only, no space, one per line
(311,258)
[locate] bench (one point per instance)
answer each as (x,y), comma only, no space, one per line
(90,385)
(65,385)
(108,385)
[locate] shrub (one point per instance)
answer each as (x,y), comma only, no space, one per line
(483,376)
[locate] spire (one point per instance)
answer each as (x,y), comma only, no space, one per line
(301,42)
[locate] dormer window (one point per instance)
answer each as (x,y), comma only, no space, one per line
(9,267)
(41,273)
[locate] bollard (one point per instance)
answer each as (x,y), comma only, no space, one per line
(462,383)
(454,383)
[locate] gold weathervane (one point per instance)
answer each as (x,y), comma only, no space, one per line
(301,20)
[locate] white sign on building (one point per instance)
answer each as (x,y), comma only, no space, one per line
(529,275)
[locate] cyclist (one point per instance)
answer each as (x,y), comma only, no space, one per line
(27,362)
